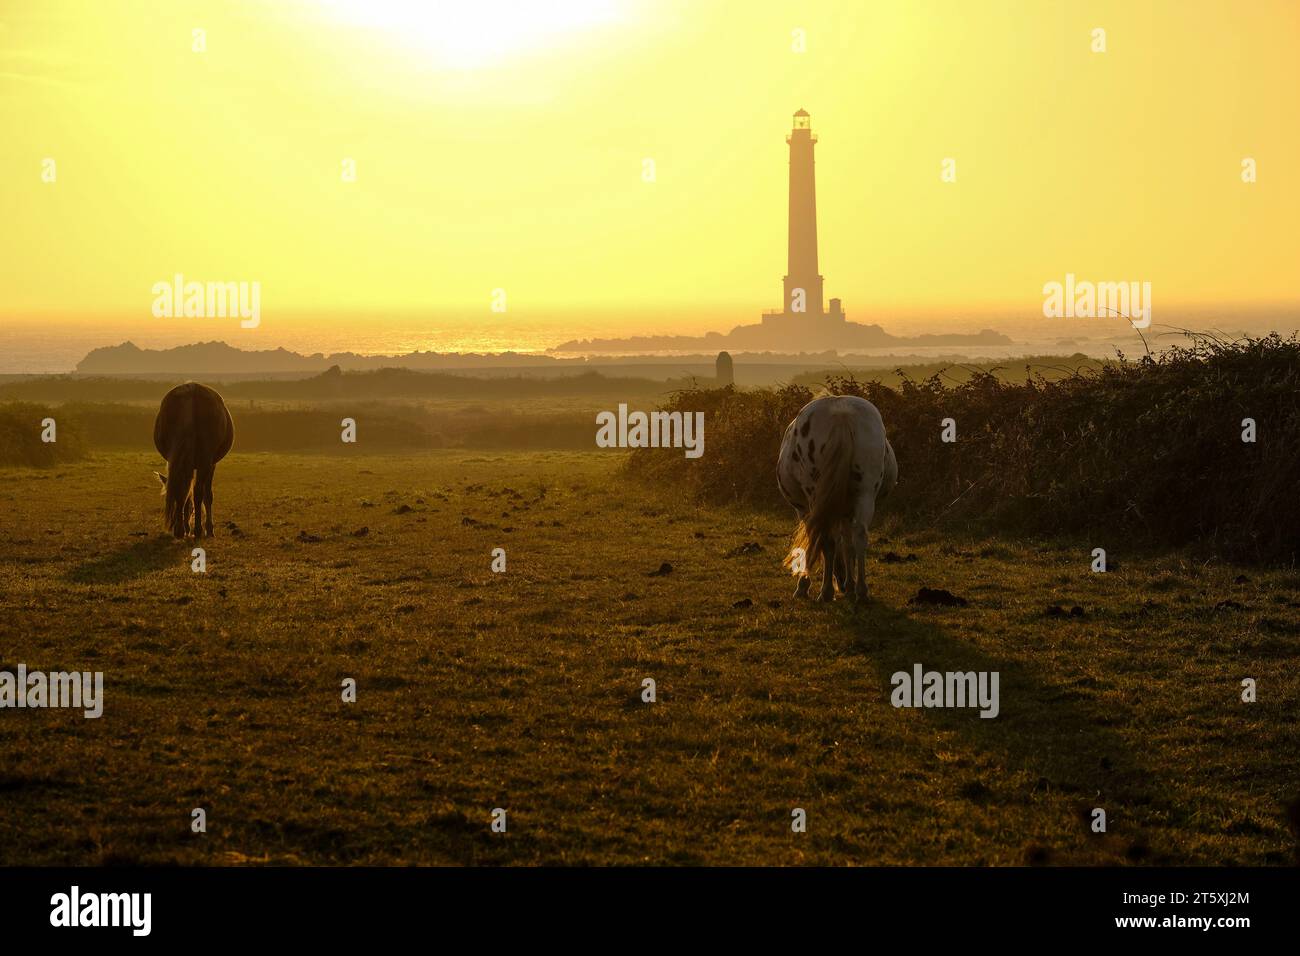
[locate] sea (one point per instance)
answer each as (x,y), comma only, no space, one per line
(33,344)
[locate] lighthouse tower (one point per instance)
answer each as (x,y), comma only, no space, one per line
(803,303)
(801,259)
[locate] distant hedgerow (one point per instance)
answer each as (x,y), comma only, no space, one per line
(20,436)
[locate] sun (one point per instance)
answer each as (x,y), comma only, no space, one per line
(471,33)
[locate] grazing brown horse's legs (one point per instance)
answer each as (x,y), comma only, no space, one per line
(178,490)
(204,482)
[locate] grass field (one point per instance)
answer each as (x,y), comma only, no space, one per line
(522,690)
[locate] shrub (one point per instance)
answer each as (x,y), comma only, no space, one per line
(20,436)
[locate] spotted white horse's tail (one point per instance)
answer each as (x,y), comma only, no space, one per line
(831,500)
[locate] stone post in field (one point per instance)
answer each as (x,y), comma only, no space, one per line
(724,371)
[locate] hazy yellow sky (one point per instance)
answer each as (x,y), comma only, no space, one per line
(497,148)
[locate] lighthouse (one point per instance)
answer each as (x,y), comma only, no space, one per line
(803,304)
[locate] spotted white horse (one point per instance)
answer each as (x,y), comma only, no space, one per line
(835,464)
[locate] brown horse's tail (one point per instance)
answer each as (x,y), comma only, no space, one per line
(179,486)
(830,502)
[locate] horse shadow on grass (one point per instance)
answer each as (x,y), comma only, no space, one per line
(126,564)
(1046,726)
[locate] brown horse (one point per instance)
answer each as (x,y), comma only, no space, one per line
(193,431)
